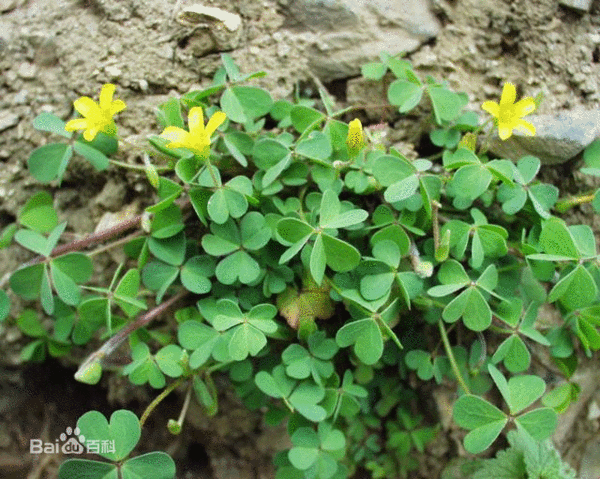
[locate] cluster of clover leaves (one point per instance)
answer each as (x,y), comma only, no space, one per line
(321,271)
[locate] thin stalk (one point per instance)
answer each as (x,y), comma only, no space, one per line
(113,343)
(110,246)
(452,359)
(128,166)
(157,400)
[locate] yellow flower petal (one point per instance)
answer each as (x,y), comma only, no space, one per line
(196,120)
(90,134)
(87,107)
(509,95)
(117,106)
(525,106)
(106,96)
(491,107)
(177,136)
(215,121)
(526,127)
(76,124)
(355,139)
(504,131)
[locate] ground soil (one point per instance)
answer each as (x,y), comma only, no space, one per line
(53,52)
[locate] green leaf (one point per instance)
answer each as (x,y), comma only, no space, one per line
(404,94)
(29,323)
(390,169)
(277,384)
(226,202)
(126,292)
(46,297)
(481,438)
(524,391)
(305,398)
(459,158)
(7,234)
(373,71)
(576,290)
(167,222)
(556,239)
(472,307)
(254,231)
(95,157)
(365,335)
(170,250)
(539,423)
(244,103)
(318,260)
(238,144)
(158,276)
(239,265)
(515,354)
(65,287)
(32,240)
(402,190)
(316,146)
(341,256)
(169,113)
(86,469)
(77,266)
(200,338)
(38,213)
(293,230)
(123,430)
(484,420)
(269,152)
(245,340)
(196,272)
(152,465)
(169,360)
(471,181)
(199,198)
(306,448)
(4,305)
(303,116)
(446,104)
(225,240)
(49,122)
(591,154)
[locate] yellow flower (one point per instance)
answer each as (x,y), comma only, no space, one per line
(97,117)
(198,138)
(508,113)
(355,139)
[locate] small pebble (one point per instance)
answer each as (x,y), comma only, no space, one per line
(581,5)
(8,119)
(113,72)
(27,71)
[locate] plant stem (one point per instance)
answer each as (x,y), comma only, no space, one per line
(563,205)
(113,343)
(451,358)
(159,169)
(107,247)
(157,400)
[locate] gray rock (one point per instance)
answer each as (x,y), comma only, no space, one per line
(8,119)
(8,5)
(344,34)
(589,467)
(558,137)
(581,5)
(27,71)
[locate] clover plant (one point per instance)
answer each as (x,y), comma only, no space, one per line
(328,275)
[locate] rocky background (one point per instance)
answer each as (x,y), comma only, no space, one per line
(53,51)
